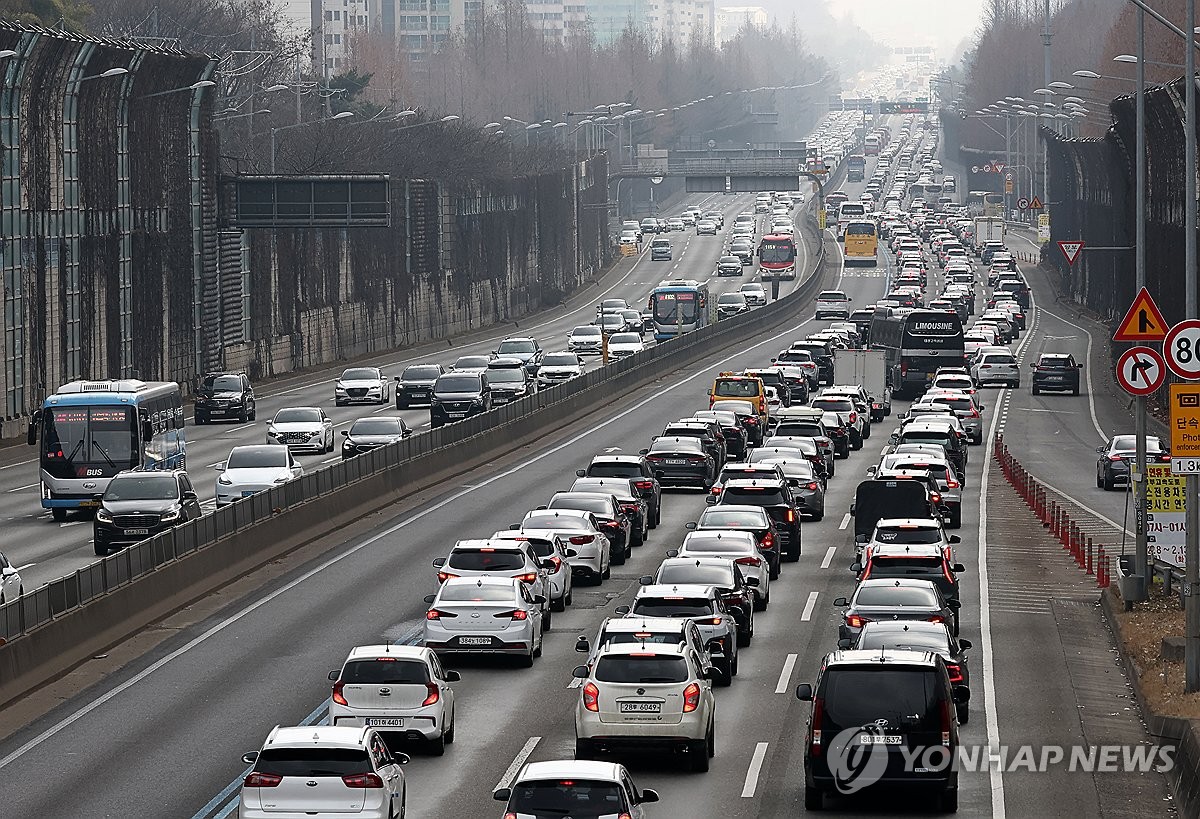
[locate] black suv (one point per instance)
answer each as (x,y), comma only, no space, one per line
(636,469)
(459,395)
(822,354)
(224,396)
(138,505)
(414,386)
(897,704)
(773,497)
(1056,371)
(774,378)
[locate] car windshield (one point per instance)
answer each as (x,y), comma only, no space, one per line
(467,362)
(300,415)
(673,607)
(385,671)
(586,331)
(360,374)
(641,668)
(457,383)
(904,535)
(421,372)
(691,573)
(624,338)
(223,383)
(376,426)
(560,360)
(599,504)
(506,375)
(1055,362)
(508,347)
(486,560)
(852,698)
(895,596)
(313,762)
(572,797)
(257,457)
(730,260)
(735,299)
(473,593)
(142,487)
(715,518)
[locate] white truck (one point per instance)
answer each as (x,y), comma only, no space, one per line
(867,368)
(988,229)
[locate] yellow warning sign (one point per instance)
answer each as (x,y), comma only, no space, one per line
(1185,420)
(1143,322)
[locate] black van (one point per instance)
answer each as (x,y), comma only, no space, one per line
(871,710)
(877,499)
(456,396)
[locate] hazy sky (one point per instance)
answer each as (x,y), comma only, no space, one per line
(941,23)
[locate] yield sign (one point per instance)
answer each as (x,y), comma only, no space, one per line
(1071,250)
(1143,321)
(998,167)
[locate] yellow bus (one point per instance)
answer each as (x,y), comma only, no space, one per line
(862,242)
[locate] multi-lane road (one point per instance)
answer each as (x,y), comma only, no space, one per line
(162,734)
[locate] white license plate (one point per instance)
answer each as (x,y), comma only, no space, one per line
(381,722)
(676,463)
(876,739)
(216,412)
(641,707)
(247,493)
(474,641)
(458,415)
(137,531)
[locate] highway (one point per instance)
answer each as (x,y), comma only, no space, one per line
(160,732)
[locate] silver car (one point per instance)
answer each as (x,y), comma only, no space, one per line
(365,385)
(485,615)
(300,428)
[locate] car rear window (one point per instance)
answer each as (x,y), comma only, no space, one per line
(672,607)
(836,404)
(733,520)
(312,761)
(894,596)
(569,797)
(385,671)
(472,593)
(753,496)
(999,359)
(906,566)
(906,698)
(799,430)
(647,668)
(703,575)
(904,536)
(483,560)
(599,505)
(740,388)
(614,470)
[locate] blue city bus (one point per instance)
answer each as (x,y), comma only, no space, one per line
(678,306)
(91,430)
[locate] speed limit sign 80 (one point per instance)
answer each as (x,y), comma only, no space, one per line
(1181,348)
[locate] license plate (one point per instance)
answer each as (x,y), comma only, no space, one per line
(216,412)
(137,531)
(88,504)
(675,462)
(247,493)
(1054,378)
(458,415)
(474,641)
(876,739)
(381,722)
(641,707)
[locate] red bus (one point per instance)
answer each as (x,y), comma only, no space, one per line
(777,257)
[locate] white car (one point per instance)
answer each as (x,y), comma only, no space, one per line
(992,367)
(323,770)
(581,530)
(625,344)
(11,586)
(706,227)
(570,787)
(300,428)
(395,689)
(552,550)
(638,697)
(362,385)
(490,558)
(252,469)
(485,615)
(586,338)
(833,304)
(755,293)
(557,368)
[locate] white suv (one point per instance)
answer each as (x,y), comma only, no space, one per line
(833,304)
(654,697)
(992,367)
(396,689)
(571,787)
(323,770)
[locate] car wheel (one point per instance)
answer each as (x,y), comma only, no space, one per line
(761,602)
(617,558)
(254,415)
(537,652)
(948,801)
(1034,389)
(607,573)
(242,416)
(58,514)
(1075,391)
(726,678)
(584,750)
(1109,484)
(570,598)
(437,746)
(526,660)
(548,619)
(964,714)
(814,798)
(774,573)
(699,756)
(819,515)
(560,604)
(956,519)
(1099,482)
(200,420)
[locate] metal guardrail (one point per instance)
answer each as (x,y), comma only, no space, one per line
(27,613)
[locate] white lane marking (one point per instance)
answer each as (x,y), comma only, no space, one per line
(331,460)
(26,566)
(845,521)
(216,628)
(18,463)
(1087,371)
(785,676)
(69,523)
(829,553)
(23,488)
(522,755)
(752,774)
(809,606)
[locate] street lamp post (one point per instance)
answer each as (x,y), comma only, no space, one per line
(274,131)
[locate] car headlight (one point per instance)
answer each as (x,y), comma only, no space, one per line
(315,433)
(347,445)
(171,515)
(103,516)
(223,481)
(283,479)
(272,432)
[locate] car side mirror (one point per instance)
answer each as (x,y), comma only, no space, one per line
(672,553)
(953,605)
(804,692)
(502,795)
(957,568)
(621,611)
(1079,366)
(333,675)
(646,580)
(540,508)
(219,467)
(250,758)
(439,562)
(548,565)
(711,500)
(451,676)
(844,643)
(690,525)
(871,470)
(407,432)
(581,473)
(514,526)
(643,452)
(396,378)
(583,645)
(955,539)
(570,552)
(429,598)
(963,645)
(856,567)
(1099,449)
(190,494)
(647,795)
(539,599)
(712,673)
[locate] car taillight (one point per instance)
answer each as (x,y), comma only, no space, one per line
(946,571)
(768,540)
(362,780)
(262,780)
(1165,457)
(974,413)
(611,524)
(515,614)
(853,417)
(818,712)
(1114,457)
(433,694)
(936,497)
(791,516)
(630,507)
(813,485)
(751,421)
(937,618)
(691,698)
(654,458)
(435,614)
(591,697)
(952,484)
(528,577)
(557,561)
(697,458)
(444,576)
(903,367)
(644,485)
(580,540)
(748,561)
(947,725)
(337,695)
(855,620)
(956,675)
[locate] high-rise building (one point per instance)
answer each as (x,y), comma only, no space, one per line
(730,19)
(335,24)
(676,20)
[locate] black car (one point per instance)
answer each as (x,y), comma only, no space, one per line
(681,461)
(747,416)
(373,432)
(822,353)
(636,469)
(224,396)
(628,496)
(796,379)
(774,378)
(509,380)
(722,574)
(1056,371)
(138,505)
(614,521)
(414,387)
(737,441)
(708,432)
(775,498)
(898,703)
(459,395)
(1117,456)
(915,635)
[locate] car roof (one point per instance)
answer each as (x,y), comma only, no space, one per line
(310,736)
(916,523)
(622,459)
(879,657)
(907,550)
(894,582)
(480,580)
(485,543)
(676,590)
(697,560)
(625,649)
(570,768)
(641,622)
(752,483)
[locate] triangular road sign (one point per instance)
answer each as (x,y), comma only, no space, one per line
(1143,322)
(1071,250)
(1036,204)
(999,166)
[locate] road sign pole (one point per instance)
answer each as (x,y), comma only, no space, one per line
(1191,643)
(1139,590)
